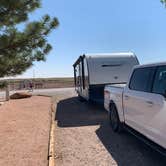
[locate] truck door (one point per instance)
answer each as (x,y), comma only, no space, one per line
(136,97)
(156,106)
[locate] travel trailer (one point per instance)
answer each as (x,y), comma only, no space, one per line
(93,71)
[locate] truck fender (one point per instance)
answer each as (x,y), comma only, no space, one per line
(113,103)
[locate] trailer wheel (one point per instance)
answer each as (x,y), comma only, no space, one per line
(114,119)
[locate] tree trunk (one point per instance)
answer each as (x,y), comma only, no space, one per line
(7,92)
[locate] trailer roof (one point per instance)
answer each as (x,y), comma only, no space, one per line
(104,55)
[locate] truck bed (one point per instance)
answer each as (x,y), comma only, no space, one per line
(114,92)
(122,85)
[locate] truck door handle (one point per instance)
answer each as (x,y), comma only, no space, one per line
(149,103)
(127,97)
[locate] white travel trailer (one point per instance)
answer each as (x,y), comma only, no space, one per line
(93,71)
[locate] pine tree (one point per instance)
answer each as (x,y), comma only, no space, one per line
(163,1)
(20,47)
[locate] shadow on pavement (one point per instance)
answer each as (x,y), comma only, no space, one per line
(127,150)
(124,148)
(73,113)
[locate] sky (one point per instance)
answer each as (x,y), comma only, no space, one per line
(101,26)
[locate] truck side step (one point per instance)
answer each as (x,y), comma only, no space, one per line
(147,141)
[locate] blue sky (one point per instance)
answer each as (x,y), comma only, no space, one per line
(95,26)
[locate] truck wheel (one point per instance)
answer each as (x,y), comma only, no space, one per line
(114,119)
(81,98)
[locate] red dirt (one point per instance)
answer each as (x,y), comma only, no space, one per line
(24,132)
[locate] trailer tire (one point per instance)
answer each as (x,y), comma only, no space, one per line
(115,123)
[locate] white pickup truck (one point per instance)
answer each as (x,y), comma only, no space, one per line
(140,105)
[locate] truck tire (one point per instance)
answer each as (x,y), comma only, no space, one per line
(115,123)
(80,98)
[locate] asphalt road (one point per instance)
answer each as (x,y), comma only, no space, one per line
(84,137)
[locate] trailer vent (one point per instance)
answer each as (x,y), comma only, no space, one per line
(111,65)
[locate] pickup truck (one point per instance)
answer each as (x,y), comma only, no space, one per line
(140,104)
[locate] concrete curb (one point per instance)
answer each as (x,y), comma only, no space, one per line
(51,150)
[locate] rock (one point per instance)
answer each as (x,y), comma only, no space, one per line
(1,103)
(20,95)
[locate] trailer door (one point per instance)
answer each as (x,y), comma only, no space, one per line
(78,78)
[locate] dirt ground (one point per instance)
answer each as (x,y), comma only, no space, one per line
(24,132)
(83,137)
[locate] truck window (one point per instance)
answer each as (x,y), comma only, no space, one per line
(159,85)
(141,79)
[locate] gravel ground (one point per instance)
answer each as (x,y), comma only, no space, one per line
(24,132)
(84,137)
